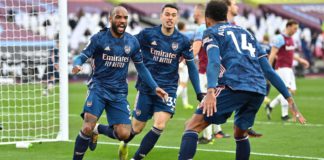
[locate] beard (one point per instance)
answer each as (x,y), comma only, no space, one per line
(114,27)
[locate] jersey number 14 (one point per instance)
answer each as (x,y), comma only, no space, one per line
(244,45)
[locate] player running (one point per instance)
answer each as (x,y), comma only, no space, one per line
(111,50)
(283,51)
(242,87)
(162,47)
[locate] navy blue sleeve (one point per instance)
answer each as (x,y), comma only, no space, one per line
(273,77)
(87,52)
(137,53)
(193,75)
(145,75)
(213,67)
(187,52)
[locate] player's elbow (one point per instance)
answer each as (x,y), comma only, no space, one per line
(268,73)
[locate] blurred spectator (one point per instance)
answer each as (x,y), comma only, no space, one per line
(319,46)
(11,15)
(306,45)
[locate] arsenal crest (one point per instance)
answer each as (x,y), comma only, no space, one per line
(89,104)
(138,112)
(127,49)
(174,46)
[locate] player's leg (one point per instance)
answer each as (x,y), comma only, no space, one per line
(182,88)
(143,111)
(267,101)
(198,122)
(184,97)
(207,136)
(160,121)
(244,119)
(219,132)
(242,144)
(84,136)
(162,114)
(92,109)
(190,136)
(118,114)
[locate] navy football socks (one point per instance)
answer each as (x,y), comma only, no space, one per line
(242,148)
(80,146)
(147,143)
(107,130)
(188,145)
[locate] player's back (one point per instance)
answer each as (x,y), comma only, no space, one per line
(239,53)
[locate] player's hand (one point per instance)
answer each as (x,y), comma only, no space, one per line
(304,63)
(209,103)
(162,94)
(76,69)
(294,109)
(200,96)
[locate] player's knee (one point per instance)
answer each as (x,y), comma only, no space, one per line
(160,126)
(137,130)
(123,134)
(87,130)
(238,133)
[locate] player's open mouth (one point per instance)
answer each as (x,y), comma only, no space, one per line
(121,28)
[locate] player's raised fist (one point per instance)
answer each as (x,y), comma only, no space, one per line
(76,69)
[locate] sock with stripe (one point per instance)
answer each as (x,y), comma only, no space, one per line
(80,146)
(242,148)
(147,143)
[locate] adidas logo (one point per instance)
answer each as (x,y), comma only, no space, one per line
(153,43)
(107,48)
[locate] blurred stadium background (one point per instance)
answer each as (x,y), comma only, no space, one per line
(37,24)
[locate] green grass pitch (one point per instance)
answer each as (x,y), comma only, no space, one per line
(280,141)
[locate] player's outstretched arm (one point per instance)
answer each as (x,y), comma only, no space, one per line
(302,61)
(87,52)
(78,62)
(276,81)
(148,79)
(194,78)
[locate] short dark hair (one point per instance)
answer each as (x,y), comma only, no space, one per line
(170,5)
(181,25)
(291,22)
(217,10)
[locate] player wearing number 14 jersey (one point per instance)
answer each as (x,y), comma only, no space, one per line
(242,87)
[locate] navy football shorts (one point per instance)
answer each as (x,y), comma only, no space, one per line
(146,105)
(117,109)
(244,104)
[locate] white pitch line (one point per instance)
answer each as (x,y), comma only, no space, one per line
(221,151)
(255,122)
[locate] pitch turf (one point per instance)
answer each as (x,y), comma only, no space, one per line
(280,140)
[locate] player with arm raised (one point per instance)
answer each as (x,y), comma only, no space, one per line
(162,47)
(283,51)
(111,50)
(242,87)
